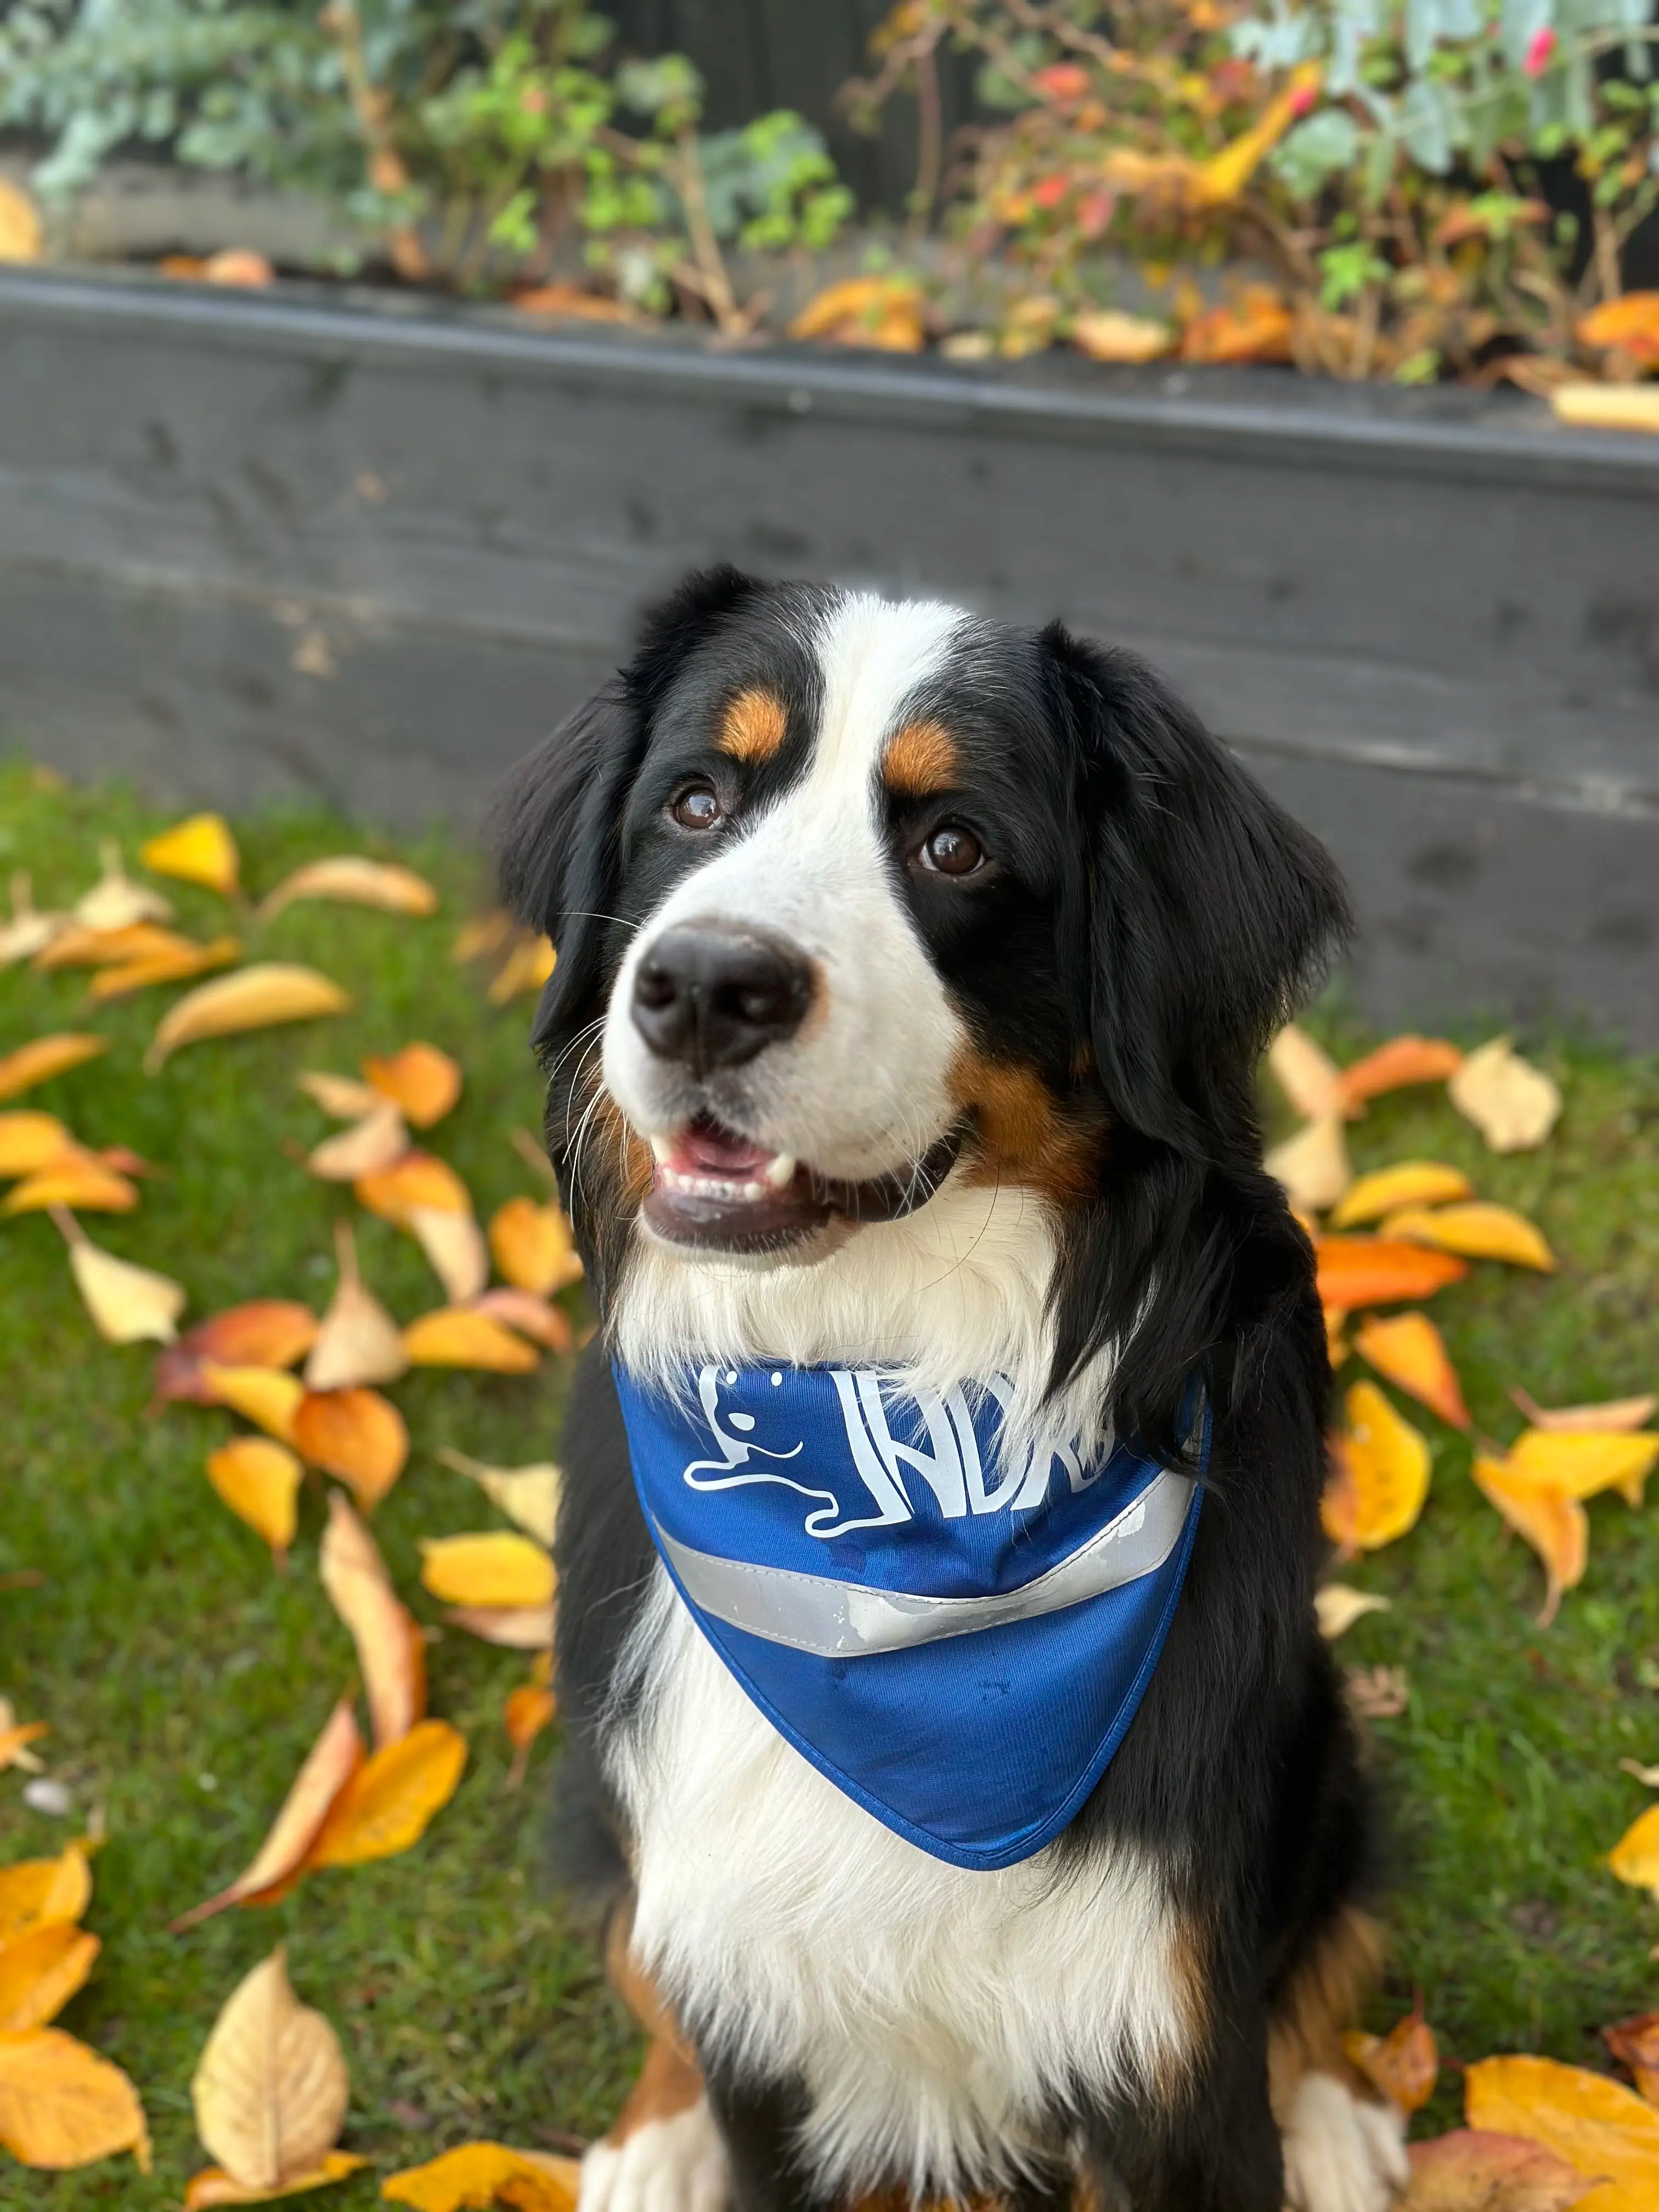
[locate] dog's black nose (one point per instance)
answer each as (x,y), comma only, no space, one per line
(714,994)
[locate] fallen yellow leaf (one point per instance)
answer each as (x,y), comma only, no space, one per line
(390,1649)
(259,1479)
(1477,1230)
(1634,1858)
(1593,2122)
(491,1568)
(421,1081)
(355,1434)
(1408,1350)
(1474,2170)
(456,1336)
(482,934)
(30,1140)
(387,1803)
(128,1304)
(1553,1522)
(28,930)
(75,1178)
(44,1057)
(358,1342)
(328,1766)
(1614,1414)
(514,1627)
(267,1396)
(1411,1183)
(1312,1166)
(370,1147)
(1305,1073)
(1338,1607)
(62,2106)
(533,1247)
(1393,1066)
(536,1318)
(213,2185)
(526,967)
(1583,1463)
(39,1972)
(256,998)
(342,1096)
(200,850)
(35,1892)
(115,899)
(473,2175)
(1513,1104)
(455,1251)
(528,1495)
(120,982)
(358,882)
(270,2088)
(417,1183)
(1380,1474)
(78,946)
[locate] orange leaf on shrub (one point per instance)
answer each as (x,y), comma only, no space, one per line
(1392,1066)
(1373,1271)
(1630,322)
(386,1806)
(1257,326)
(355,1434)
(1408,1350)
(1553,1522)
(884,312)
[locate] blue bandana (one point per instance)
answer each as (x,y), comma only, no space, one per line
(958,1644)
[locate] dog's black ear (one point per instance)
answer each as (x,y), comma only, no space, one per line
(554,822)
(1210,914)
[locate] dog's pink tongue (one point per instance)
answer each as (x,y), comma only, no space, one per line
(706,1149)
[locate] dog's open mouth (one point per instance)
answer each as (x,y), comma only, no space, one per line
(713,1187)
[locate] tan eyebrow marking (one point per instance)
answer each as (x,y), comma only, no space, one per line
(921,758)
(753,725)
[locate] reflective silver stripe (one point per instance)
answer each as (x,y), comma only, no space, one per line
(844,1620)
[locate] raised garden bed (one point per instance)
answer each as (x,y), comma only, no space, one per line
(312,545)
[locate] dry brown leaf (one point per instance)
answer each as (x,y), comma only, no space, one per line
(536,1318)
(1608,407)
(1474,2170)
(329,1766)
(256,998)
(1590,2120)
(514,1627)
(1376,1270)
(20,236)
(357,881)
(128,1304)
(29,1140)
(39,1972)
(1513,1105)
(533,1248)
(476,2174)
(342,1096)
(418,1183)
(388,1804)
(1553,1522)
(528,1495)
(460,1336)
(1584,1463)
(62,2106)
(267,1396)
(75,1178)
(1614,1413)
(1404,2064)
(33,1893)
(390,1651)
(115,899)
(1403,1060)
(259,1479)
(1312,1166)
(1411,1183)
(1408,1350)
(1635,2042)
(213,2185)
(261,1333)
(455,1250)
(200,850)
(1477,1230)
(46,1056)
(492,1567)
(358,1341)
(1306,1073)
(421,1081)
(370,1146)
(1338,1607)
(355,1434)
(1106,334)
(1380,1474)
(270,2088)
(178,967)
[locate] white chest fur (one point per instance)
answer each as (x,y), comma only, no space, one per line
(932,2012)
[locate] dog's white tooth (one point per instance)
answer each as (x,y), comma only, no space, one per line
(752,1191)
(780,1170)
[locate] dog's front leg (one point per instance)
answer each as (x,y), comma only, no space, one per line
(664,2151)
(759,2124)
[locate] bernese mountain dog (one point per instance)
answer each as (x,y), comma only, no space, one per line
(944,1709)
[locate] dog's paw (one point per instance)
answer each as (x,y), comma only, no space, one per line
(1341,2154)
(676,2165)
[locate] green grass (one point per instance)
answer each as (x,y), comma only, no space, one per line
(184,1679)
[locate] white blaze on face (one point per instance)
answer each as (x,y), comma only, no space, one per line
(861,1091)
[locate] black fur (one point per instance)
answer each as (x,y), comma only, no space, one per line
(1153,917)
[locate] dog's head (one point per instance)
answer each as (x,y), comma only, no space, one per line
(855,899)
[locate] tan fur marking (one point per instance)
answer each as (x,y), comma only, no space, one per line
(1321,2003)
(670,2081)
(921,759)
(1024,1136)
(753,725)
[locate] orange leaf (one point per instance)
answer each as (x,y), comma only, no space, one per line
(355,1434)
(1583,1463)
(1472,2170)
(44,1057)
(454,1246)
(177,966)
(213,2185)
(1406,1349)
(1630,322)
(526,967)
(1402,1061)
(1615,1413)
(255,998)
(418,1180)
(386,1805)
(472,2176)
(29,1140)
(259,1480)
(1383,1478)
(532,1246)
(1225,175)
(329,1766)
(357,881)
(62,2106)
(495,1567)
(1591,2121)
(368,1147)
(885,312)
(423,1081)
(33,1893)
(532,1316)
(529,1709)
(1478,1231)
(39,1972)
(79,946)
(1258,327)
(263,1333)
(15,1740)
(387,1638)
(1404,2064)
(458,1336)
(1553,1522)
(265,1395)
(75,1178)
(1371,1270)
(571,299)
(514,1627)
(1411,1183)
(1635,2042)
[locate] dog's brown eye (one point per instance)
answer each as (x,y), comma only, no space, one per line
(952,851)
(697,807)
